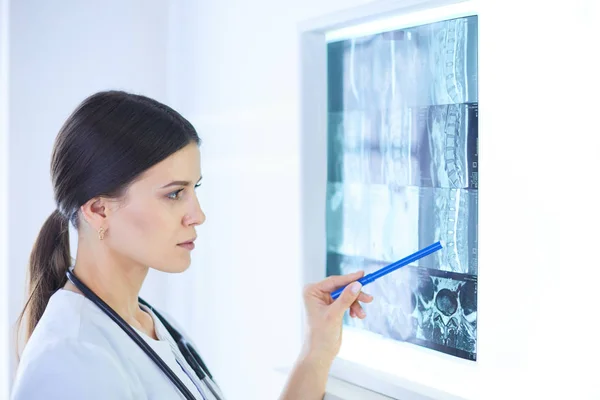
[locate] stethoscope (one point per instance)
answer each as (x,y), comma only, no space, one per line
(189,353)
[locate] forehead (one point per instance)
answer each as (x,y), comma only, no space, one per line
(181,165)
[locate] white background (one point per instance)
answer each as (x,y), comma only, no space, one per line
(232,67)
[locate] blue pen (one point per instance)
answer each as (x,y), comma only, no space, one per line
(394,266)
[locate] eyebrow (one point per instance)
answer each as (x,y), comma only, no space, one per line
(179,183)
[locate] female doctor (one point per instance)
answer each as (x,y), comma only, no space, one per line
(124,170)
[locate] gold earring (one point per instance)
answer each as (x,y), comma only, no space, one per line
(101,233)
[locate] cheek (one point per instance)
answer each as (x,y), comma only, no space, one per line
(144,221)
(144,230)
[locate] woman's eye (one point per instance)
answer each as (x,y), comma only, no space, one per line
(174,195)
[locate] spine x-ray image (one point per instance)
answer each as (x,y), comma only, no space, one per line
(403,174)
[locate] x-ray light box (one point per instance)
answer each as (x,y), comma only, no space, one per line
(390,165)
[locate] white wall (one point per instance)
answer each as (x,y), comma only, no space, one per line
(61,52)
(538,160)
(4,285)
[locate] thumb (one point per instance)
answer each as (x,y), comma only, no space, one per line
(347,297)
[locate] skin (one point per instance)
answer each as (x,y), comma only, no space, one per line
(143,230)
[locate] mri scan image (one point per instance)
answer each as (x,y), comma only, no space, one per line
(427,307)
(403,173)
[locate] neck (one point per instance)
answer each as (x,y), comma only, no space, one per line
(116,281)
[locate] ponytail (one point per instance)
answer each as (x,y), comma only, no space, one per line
(48,264)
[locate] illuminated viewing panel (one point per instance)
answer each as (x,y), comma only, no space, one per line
(403,173)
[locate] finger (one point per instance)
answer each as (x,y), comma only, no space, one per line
(336,281)
(352,313)
(365,297)
(348,296)
(357,310)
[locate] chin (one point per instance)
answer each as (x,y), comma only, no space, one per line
(177,268)
(174,267)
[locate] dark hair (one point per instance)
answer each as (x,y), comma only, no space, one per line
(110,139)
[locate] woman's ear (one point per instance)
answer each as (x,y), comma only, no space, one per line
(94,212)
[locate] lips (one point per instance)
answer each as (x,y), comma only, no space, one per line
(189,245)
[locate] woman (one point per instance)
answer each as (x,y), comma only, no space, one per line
(124,170)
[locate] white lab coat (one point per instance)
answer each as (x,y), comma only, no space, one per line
(78,352)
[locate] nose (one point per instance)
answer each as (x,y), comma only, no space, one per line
(196,215)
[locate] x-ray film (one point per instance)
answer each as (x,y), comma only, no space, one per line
(427,307)
(432,146)
(403,174)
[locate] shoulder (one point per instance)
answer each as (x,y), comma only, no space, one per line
(68,368)
(68,357)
